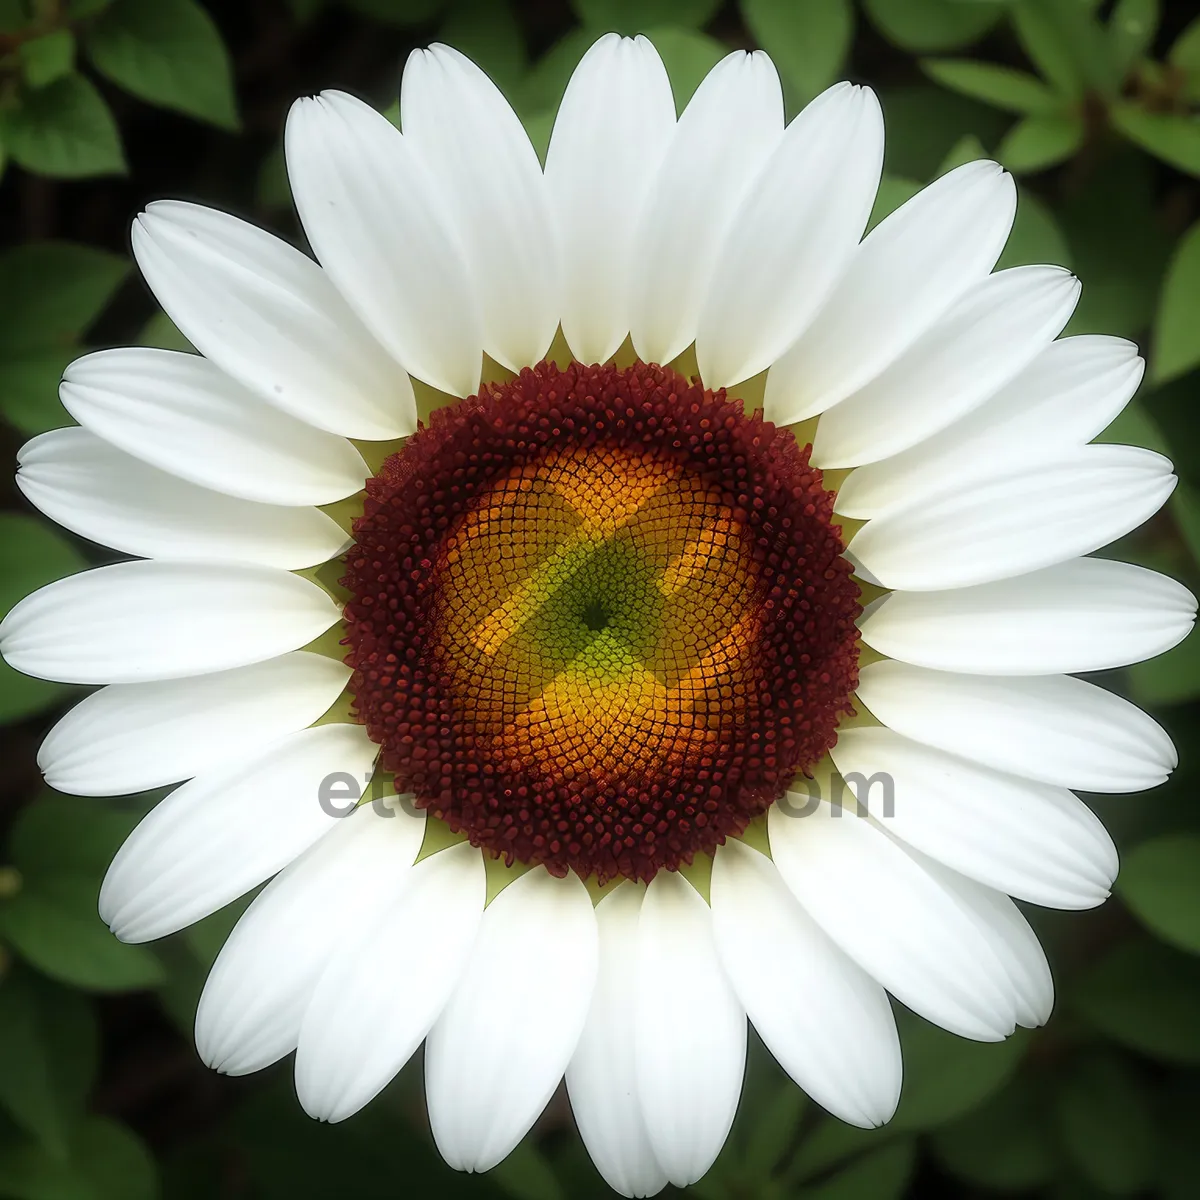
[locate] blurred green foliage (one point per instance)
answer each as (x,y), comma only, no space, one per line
(1094,106)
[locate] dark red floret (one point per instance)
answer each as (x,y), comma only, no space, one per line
(601,618)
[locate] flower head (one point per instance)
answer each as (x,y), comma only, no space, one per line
(613,519)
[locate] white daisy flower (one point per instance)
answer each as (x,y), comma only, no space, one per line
(609,636)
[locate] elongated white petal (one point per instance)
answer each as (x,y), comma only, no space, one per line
(227,830)
(1021,521)
(1032,840)
(131,737)
(181,414)
(903,925)
(139,621)
(1053,728)
(256,994)
(413,946)
(372,215)
(793,235)
(1064,398)
(689,1032)
(611,132)
(489,178)
(1087,614)
(996,329)
(602,1076)
(271,318)
(731,124)
(109,497)
(1010,938)
(506,1011)
(826,1021)
(903,278)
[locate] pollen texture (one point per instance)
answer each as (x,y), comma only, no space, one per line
(600,618)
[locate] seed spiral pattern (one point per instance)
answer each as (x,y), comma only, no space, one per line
(600,618)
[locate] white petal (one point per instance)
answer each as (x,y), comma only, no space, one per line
(1064,398)
(139,621)
(1053,728)
(827,1022)
(109,497)
(490,180)
(271,318)
(1032,840)
(224,832)
(371,213)
(732,123)
(998,327)
(906,927)
(904,276)
(612,130)
(689,1031)
(499,1050)
(258,989)
(602,1076)
(1087,614)
(181,414)
(1024,520)
(388,982)
(131,737)
(793,236)
(1011,939)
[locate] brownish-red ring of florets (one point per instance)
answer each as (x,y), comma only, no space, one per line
(498,720)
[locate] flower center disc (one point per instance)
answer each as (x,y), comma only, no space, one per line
(600,618)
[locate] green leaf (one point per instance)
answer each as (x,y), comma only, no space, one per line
(924,25)
(1144,996)
(1001,87)
(808,42)
(22,695)
(544,85)
(1118,246)
(162,332)
(1177,326)
(946,1076)
(1171,678)
(636,16)
(64,130)
(1104,1118)
(1036,237)
(47,58)
(52,292)
(967,149)
(105,1162)
(881,1175)
(169,53)
(1067,46)
(32,554)
(1131,30)
(1004,1144)
(62,847)
(49,1047)
(688,57)
(892,193)
(1037,143)
(487,32)
(29,389)
(1160,884)
(924,122)
(1185,52)
(1173,137)
(773,1129)
(527,1175)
